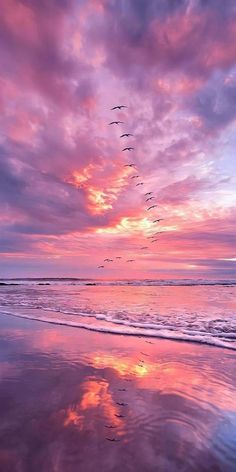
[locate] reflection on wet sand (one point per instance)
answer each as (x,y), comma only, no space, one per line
(74,400)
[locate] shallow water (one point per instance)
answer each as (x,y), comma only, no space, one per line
(66,394)
(198,312)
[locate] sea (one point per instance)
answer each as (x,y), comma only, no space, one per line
(200,311)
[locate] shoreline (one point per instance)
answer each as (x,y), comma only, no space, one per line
(145,333)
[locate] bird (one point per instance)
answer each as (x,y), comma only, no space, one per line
(148,193)
(128,149)
(101,267)
(121,389)
(134,176)
(121,404)
(154,240)
(130,260)
(150,237)
(109,426)
(144,247)
(140,183)
(126,135)
(108,260)
(129,165)
(113,439)
(149,198)
(159,219)
(118,257)
(118,107)
(153,206)
(120,416)
(115,122)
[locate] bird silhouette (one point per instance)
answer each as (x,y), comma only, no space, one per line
(130,260)
(154,240)
(144,247)
(150,208)
(148,193)
(108,260)
(115,122)
(134,176)
(113,439)
(158,219)
(129,165)
(128,149)
(119,107)
(149,198)
(126,135)
(101,267)
(140,183)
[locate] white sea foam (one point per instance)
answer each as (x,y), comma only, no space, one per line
(199,313)
(136,329)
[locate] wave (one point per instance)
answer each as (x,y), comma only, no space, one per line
(127,328)
(123,282)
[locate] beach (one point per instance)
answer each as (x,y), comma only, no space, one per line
(74,399)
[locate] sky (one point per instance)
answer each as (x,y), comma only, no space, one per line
(67,198)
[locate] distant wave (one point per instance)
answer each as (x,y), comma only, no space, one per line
(222,340)
(124,282)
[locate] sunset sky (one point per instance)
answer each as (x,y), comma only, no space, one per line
(66,200)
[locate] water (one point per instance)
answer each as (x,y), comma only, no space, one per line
(65,393)
(199,311)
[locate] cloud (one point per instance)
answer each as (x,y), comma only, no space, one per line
(63,65)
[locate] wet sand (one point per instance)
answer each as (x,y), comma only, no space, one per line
(76,400)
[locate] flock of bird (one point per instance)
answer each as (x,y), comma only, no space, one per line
(149,195)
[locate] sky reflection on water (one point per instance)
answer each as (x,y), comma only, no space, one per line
(66,393)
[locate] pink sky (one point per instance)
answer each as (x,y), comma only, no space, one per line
(67,201)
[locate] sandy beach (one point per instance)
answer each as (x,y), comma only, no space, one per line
(72,399)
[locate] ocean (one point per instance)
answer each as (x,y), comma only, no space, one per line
(201,311)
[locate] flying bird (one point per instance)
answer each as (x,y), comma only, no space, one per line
(140,183)
(115,122)
(148,193)
(108,260)
(130,260)
(128,149)
(159,219)
(149,198)
(101,267)
(129,165)
(144,247)
(118,257)
(134,176)
(121,404)
(109,426)
(154,240)
(153,206)
(126,135)
(118,107)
